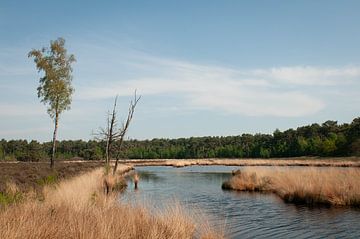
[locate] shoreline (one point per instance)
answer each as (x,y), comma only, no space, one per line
(278,162)
(282,162)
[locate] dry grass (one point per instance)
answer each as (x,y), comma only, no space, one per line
(77,208)
(326,186)
(301,161)
(33,176)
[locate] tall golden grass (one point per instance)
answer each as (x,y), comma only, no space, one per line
(77,208)
(327,186)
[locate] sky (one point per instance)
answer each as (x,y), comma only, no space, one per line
(202,68)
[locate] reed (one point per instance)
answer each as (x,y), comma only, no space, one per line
(78,208)
(311,186)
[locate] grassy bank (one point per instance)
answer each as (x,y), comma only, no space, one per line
(311,186)
(24,180)
(78,208)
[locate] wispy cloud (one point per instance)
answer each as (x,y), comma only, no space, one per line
(14,62)
(25,132)
(21,109)
(277,91)
(289,91)
(309,75)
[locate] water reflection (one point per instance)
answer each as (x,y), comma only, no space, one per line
(246,215)
(146,176)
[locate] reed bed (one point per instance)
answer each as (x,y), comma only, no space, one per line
(78,208)
(311,186)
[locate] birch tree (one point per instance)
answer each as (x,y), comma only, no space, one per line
(55,89)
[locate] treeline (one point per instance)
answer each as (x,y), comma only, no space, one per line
(327,139)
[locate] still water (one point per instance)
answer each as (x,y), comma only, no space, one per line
(243,215)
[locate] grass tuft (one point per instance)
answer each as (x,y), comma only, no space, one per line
(311,186)
(48,180)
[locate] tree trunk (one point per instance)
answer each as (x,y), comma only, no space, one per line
(118,154)
(54,142)
(107,153)
(116,165)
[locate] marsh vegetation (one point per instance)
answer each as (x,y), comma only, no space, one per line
(175,201)
(241,214)
(311,186)
(78,208)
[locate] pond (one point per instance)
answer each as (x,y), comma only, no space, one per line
(243,215)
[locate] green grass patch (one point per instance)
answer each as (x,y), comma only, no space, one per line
(48,180)
(10,198)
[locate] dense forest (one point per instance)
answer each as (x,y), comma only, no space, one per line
(327,139)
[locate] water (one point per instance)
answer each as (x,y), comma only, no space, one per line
(244,215)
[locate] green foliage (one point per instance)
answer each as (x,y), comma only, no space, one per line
(2,153)
(48,180)
(328,146)
(10,198)
(355,147)
(264,153)
(91,154)
(55,88)
(303,145)
(33,152)
(328,139)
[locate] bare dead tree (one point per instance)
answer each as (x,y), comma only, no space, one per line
(113,135)
(124,128)
(109,133)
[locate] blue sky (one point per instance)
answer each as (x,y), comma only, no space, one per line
(202,67)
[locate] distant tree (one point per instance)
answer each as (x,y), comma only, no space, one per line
(2,151)
(355,147)
(55,88)
(32,152)
(264,153)
(302,145)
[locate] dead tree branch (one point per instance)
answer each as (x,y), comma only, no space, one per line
(114,136)
(124,128)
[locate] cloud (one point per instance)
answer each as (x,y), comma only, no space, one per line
(21,109)
(288,91)
(25,132)
(14,62)
(308,75)
(281,91)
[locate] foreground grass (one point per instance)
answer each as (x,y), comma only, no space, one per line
(311,186)
(78,208)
